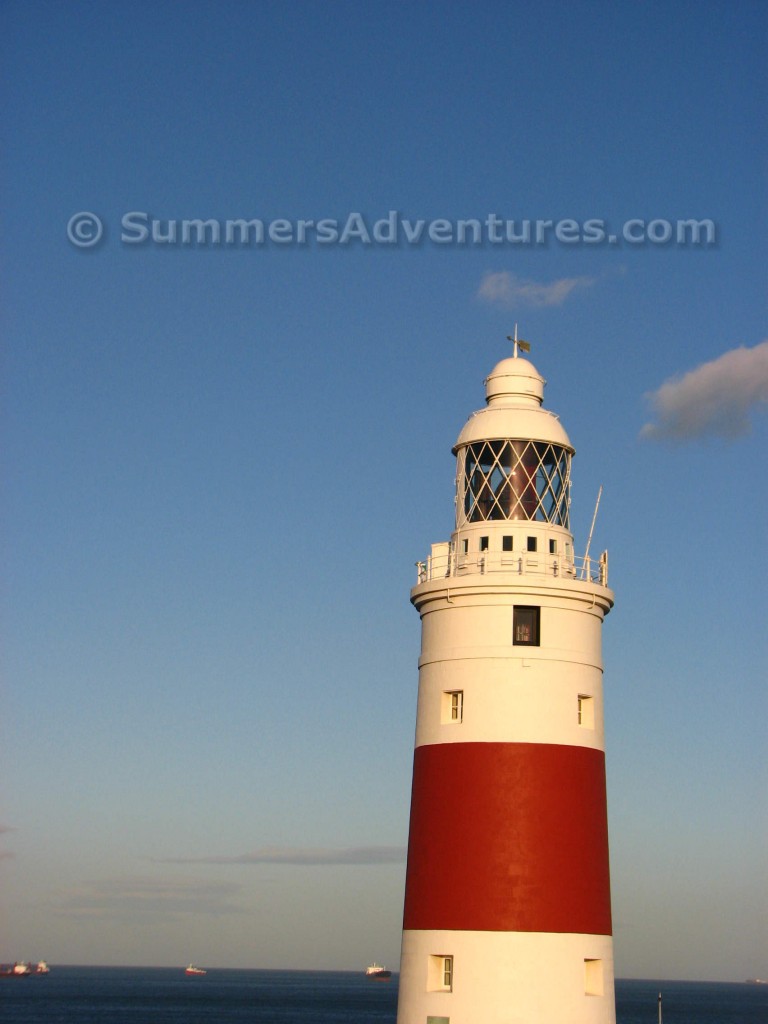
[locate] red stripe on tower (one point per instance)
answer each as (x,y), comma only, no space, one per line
(508,837)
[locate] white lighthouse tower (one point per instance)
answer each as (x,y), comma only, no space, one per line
(507,905)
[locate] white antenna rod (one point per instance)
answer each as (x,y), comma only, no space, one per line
(592,527)
(660,1008)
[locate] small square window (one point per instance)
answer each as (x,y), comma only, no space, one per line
(586,711)
(531,546)
(452,707)
(506,544)
(525,629)
(448,973)
(483,543)
(553,547)
(593,977)
(440,974)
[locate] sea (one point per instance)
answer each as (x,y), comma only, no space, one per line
(158,995)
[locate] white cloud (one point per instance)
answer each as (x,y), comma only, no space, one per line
(510,291)
(715,399)
(304,855)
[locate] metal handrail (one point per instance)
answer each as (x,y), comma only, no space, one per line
(583,567)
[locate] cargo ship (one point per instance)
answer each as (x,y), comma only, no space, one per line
(23,969)
(378,973)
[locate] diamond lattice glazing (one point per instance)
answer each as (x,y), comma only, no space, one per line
(513,480)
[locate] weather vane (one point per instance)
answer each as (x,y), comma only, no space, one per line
(519,343)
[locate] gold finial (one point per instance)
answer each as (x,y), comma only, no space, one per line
(519,343)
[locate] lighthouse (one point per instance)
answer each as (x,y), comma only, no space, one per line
(507,916)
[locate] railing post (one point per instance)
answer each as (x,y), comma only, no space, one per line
(604,568)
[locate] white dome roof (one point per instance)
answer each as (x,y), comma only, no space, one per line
(514,394)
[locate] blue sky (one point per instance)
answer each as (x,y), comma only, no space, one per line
(221,462)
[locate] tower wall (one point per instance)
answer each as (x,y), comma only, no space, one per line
(509,977)
(507,907)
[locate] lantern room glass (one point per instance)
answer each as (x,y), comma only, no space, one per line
(514,480)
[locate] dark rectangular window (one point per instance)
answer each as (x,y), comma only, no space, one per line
(531,544)
(526,626)
(553,547)
(483,543)
(506,543)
